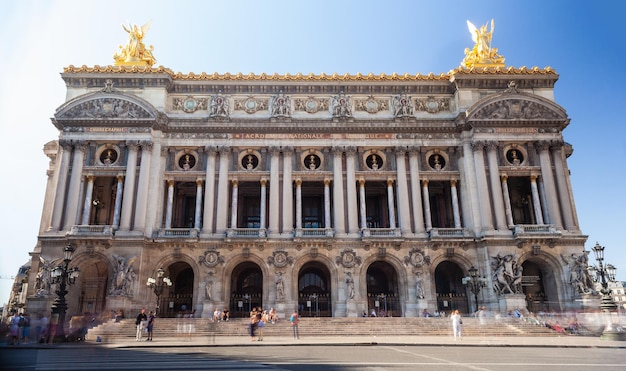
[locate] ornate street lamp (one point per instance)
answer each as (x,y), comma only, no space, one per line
(63,275)
(474,282)
(607,305)
(158,284)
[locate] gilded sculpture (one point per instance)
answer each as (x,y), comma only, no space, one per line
(135,53)
(482,54)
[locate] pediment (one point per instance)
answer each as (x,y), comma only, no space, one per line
(98,109)
(515,109)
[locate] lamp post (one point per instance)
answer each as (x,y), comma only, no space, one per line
(158,284)
(62,275)
(607,304)
(474,282)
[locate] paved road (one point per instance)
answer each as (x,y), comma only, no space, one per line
(311,357)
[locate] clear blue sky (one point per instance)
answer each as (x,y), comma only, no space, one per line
(584,41)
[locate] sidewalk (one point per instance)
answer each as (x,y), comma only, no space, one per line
(473,341)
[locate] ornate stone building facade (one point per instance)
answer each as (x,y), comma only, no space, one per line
(332,194)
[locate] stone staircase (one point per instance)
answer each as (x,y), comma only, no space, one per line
(327,326)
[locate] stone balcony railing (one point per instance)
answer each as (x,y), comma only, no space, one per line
(534,229)
(246,233)
(314,232)
(91,230)
(449,233)
(177,233)
(381,232)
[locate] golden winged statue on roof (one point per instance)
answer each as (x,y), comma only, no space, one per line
(482,54)
(135,53)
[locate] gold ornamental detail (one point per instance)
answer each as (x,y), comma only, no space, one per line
(482,54)
(135,53)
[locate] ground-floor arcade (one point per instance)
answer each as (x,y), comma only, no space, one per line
(316,278)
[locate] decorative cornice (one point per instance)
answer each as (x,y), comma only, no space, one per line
(311,77)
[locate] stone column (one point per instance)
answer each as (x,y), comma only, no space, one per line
(353,218)
(483,190)
(550,188)
(129,186)
(287,192)
(233,204)
(274,193)
(416,194)
(426,197)
(536,203)
(507,201)
(362,206)
(455,204)
(562,186)
(222,193)
(209,192)
(496,187)
(88,196)
(469,192)
(59,197)
(142,186)
(390,204)
(262,217)
(544,202)
(118,200)
(73,192)
(327,224)
(197,219)
(404,214)
(298,204)
(338,208)
(170,203)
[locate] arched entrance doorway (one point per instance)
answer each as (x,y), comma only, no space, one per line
(90,290)
(179,299)
(537,285)
(449,287)
(382,290)
(246,289)
(314,299)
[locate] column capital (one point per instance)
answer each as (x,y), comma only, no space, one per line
(556,145)
(298,182)
(120,177)
(453,182)
(235,182)
(424,182)
(287,151)
(326,182)
(199,182)
(133,145)
(164,151)
(223,150)
(80,145)
(263,182)
(337,150)
(400,151)
(66,144)
(211,150)
(390,182)
(504,177)
(274,151)
(543,145)
(146,145)
(491,145)
(478,146)
(170,182)
(361,182)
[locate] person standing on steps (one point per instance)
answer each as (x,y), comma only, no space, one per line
(294,324)
(456,324)
(150,325)
(141,322)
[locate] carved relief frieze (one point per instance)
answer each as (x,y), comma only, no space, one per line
(432,105)
(211,258)
(348,259)
(107,108)
(371,104)
(402,106)
(416,258)
(311,105)
(280,258)
(515,109)
(251,105)
(190,104)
